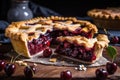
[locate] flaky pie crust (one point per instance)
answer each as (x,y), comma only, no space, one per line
(99,43)
(108,13)
(20,32)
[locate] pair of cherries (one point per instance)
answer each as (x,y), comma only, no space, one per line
(102,74)
(29,71)
(9,68)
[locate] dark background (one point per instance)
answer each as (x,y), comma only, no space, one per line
(75,8)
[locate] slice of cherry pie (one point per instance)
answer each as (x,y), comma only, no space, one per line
(82,49)
(31,37)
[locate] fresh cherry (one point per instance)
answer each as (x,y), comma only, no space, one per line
(101,74)
(111,67)
(2,65)
(66,75)
(9,69)
(29,71)
(114,40)
(47,52)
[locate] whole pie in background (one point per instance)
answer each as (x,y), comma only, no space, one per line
(108,18)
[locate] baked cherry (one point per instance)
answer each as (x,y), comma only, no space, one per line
(9,69)
(101,74)
(111,67)
(47,52)
(29,71)
(66,75)
(2,65)
(47,43)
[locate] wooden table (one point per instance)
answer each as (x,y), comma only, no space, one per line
(48,72)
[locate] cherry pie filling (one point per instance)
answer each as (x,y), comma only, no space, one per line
(56,33)
(76,51)
(37,45)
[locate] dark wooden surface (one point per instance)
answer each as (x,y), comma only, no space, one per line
(48,72)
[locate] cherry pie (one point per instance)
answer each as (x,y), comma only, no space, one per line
(81,48)
(31,37)
(108,18)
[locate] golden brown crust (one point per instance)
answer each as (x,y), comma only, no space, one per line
(22,29)
(109,13)
(108,18)
(22,32)
(83,41)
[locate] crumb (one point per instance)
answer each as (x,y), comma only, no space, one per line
(21,63)
(52,59)
(81,68)
(35,64)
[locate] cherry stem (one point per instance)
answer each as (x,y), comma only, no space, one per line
(16,58)
(32,70)
(11,60)
(105,31)
(113,58)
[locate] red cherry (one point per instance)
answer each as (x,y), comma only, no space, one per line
(111,67)
(48,43)
(29,71)
(66,75)
(101,74)
(94,57)
(9,69)
(114,40)
(2,65)
(47,52)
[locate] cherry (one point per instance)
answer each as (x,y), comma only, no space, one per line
(101,74)
(93,57)
(111,67)
(9,69)
(66,45)
(2,65)
(47,43)
(114,40)
(47,52)
(66,75)
(29,71)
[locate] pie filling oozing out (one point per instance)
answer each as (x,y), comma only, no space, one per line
(32,36)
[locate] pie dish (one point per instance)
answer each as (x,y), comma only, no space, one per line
(81,48)
(108,18)
(31,37)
